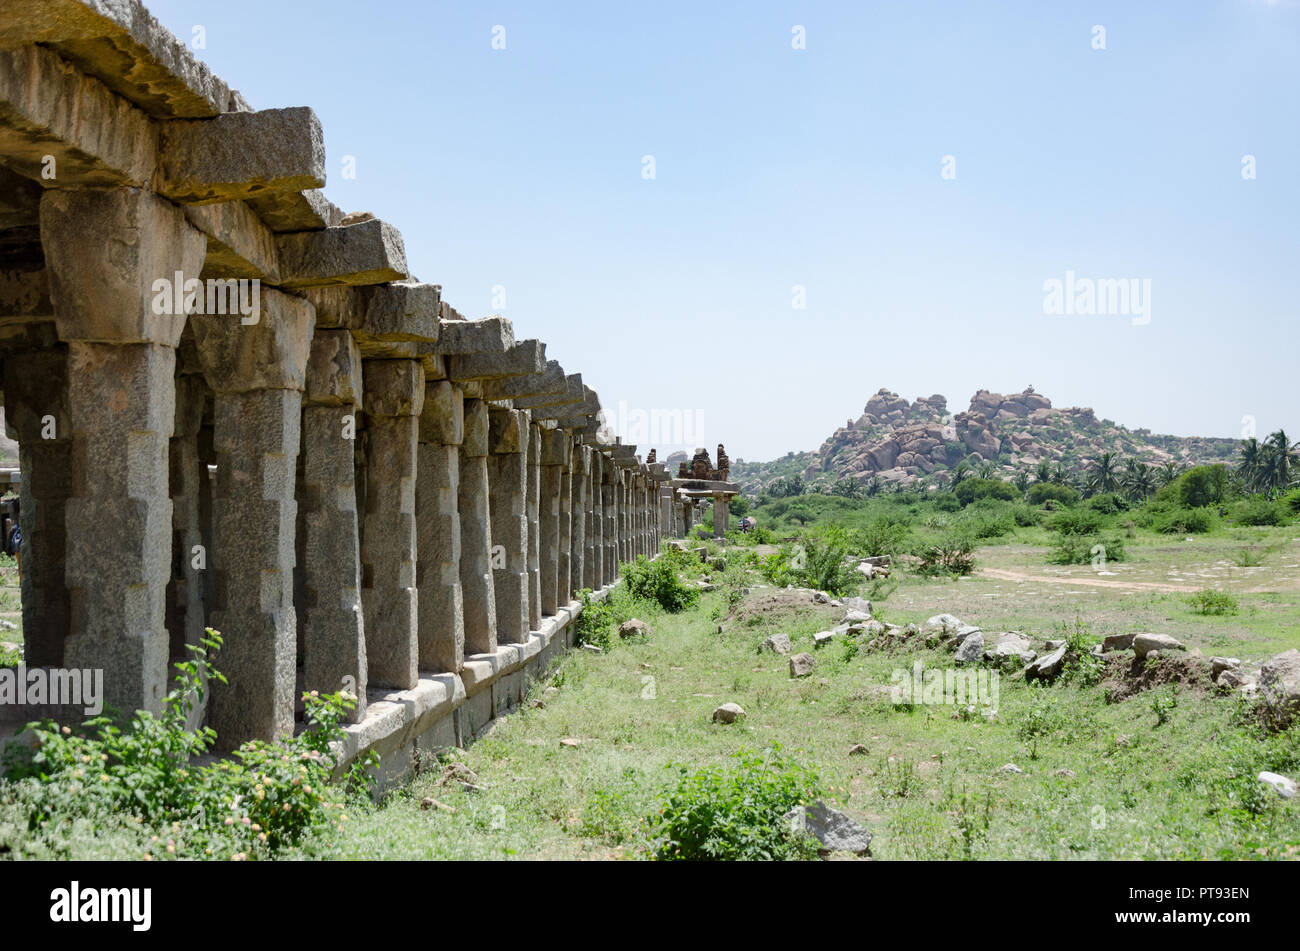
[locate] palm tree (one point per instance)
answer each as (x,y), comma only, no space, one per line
(1251,467)
(1102,475)
(1044,472)
(1168,472)
(1281,462)
(1139,479)
(987,471)
(959,473)
(1022,481)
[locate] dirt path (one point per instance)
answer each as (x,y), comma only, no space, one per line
(1008,575)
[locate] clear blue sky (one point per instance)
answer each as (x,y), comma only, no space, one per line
(821,167)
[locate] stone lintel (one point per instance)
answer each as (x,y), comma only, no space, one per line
(532,390)
(523,359)
(370,252)
(488,335)
(393,387)
(442,419)
(270,354)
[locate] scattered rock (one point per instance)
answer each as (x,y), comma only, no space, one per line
(1011,768)
(822,638)
(1279,686)
(1065,773)
(593,648)
(728,713)
(634,627)
(1286,788)
(1230,679)
(801,665)
(1117,642)
(777,644)
(1219,664)
(428,802)
(1047,667)
(1144,644)
(821,597)
(857,749)
(570,741)
(1010,648)
(856,617)
(941,623)
(858,604)
(551,691)
(833,829)
(538,704)
(1052,645)
(458,772)
(971,649)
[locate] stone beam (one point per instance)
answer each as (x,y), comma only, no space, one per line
(524,358)
(241,155)
(559,402)
(239,244)
(488,335)
(531,388)
(370,252)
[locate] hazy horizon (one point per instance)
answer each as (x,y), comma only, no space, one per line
(916,175)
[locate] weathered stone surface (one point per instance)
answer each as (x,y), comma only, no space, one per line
(368,253)
(271,353)
(1143,644)
(106,248)
(634,627)
(241,155)
(833,829)
(1279,686)
(801,665)
(489,335)
(1283,786)
(508,487)
(1047,667)
(971,649)
(441,608)
(1010,649)
(524,358)
(442,419)
(239,243)
(777,644)
(1117,642)
(728,713)
(334,375)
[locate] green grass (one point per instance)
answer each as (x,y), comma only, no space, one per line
(1168,780)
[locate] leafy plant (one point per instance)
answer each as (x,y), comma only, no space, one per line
(1208,601)
(595,622)
(734,812)
(657,581)
(953,555)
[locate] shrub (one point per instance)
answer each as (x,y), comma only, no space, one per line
(1080,521)
(1292,501)
(734,813)
(971,489)
(657,581)
(953,555)
(824,567)
(1260,511)
(143,774)
(1080,549)
(983,520)
(1108,503)
(1208,601)
(945,502)
(1025,515)
(883,536)
(1183,521)
(594,623)
(1041,492)
(1202,485)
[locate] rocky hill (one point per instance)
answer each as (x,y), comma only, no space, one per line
(901,442)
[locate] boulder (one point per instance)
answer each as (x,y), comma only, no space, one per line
(858,604)
(728,713)
(777,644)
(801,665)
(1144,644)
(833,829)
(1117,642)
(1279,686)
(1286,788)
(971,649)
(1010,649)
(1047,667)
(856,617)
(634,627)
(941,623)
(1219,664)
(822,638)
(1230,678)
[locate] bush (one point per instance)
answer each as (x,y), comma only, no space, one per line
(595,622)
(734,813)
(1078,549)
(953,555)
(986,520)
(1208,601)
(1292,501)
(1182,521)
(1080,521)
(1041,492)
(1108,503)
(825,569)
(945,502)
(1025,515)
(143,774)
(657,581)
(883,536)
(1260,511)
(1202,485)
(971,489)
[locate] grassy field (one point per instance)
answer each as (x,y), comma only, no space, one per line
(1167,773)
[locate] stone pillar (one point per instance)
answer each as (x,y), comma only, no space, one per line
(36,414)
(394,399)
(553,458)
(478,591)
(609,495)
(257,373)
(721,514)
(580,504)
(438,530)
(533,527)
(104,250)
(187,608)
(596,522)
(667,521)
(564,515)
(508,488)
(330,615)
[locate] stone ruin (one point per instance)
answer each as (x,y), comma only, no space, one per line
(236,407)
(697,484)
